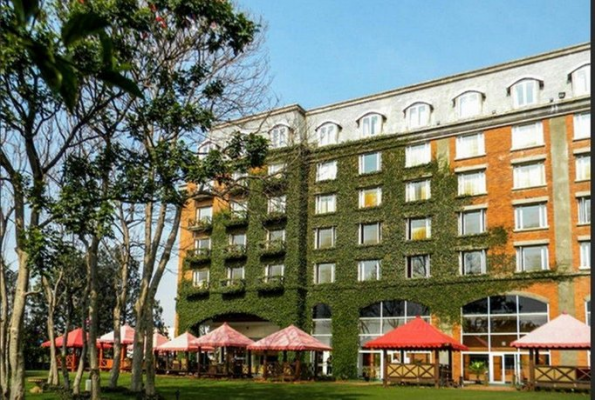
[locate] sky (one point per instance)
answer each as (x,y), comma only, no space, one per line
(326,51)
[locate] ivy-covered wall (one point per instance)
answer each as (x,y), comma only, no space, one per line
(444,292)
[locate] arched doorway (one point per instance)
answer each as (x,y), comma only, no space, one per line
(322,330)
(488,327)
(379,318)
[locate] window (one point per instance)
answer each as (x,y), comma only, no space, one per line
(472,222)
(531,258)
(235,274)
(326,171)
(202,245)
(473,262)
(322,330)
(418,266)
(585,248)
(274,272)
(324,273)
(583,167)
(418,115)
(419,228)
(368,270)
(581,81)
(274,235)
(417,190)
(584,210)
(239,175)
(328,134)
(239,208)
(418,154)
(472,183)
(370,233)
(371,125)
(326,203)
(528,175)
(369,163)
(529,135)
(237,240)
(277,204)
(276,170)
(200,278)
(204,214)
(380,318)
(278,137)
(324,238)
(531,216)
(525,92)
(582,126)
(470,145)
(469,104)
(370,197)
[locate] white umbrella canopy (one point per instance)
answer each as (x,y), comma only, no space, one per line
(126,335)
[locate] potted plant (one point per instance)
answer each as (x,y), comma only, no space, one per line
(479,369)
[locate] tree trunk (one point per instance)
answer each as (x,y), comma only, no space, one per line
(115,371)
(3,329)
(53,378)
(93,316)
(76,386)
(149,361)
(15,342)
(65,374)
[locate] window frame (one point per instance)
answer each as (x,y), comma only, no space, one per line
(333,170)
(197,242)
(522,84)
(361,226)
(467,95)
(460,155)
(409,190)
(269,231)
(582,128)
(196,275)
(414,119)
(409,230)
(277,204)
(267,271)
(519,131)
(362,163)
(323,130)
(408,264)
(318,204)
(519,219)
(426,154)
(282,139)
(584,70)
(206,219)
(276,169)
(229,273)
(317,242)
(520,261)
(360,270)
(365,122)
(582,172)
(482,190)
(583,210)
(483,262)
(362,197)
(517,169)
(317,273)
(482,221)
(585,254)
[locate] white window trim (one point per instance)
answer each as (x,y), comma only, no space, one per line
(417,105)
(545,265)
(362,196)
(579,159)
(516,170)
(428,223)
(522,81)
(368,116)
(518,217)
(537,131)
(378,163)
(581,205)
(572,78)
(195,275)
(316,238)
(318,204)
(482,186)
(426,157)
(585,255)
(428,265)
(585,129)
(267,271)
(482,221)
(327,124)
(278,143)
(317,273)
(378,234)
(409,190)
(332,164)
(198,240)
(483,261)
(229,269)
(360,266)
(466,93)
(207,219)
(280,200)
(269,234)
(480,147)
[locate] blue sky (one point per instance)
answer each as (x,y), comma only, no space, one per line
(326,51)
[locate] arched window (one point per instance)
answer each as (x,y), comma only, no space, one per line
(418,114)
(370,123)
(279,136)
(468,104)
(321,323)
(328,133)
(525,91)
(492,323)
(581,80)
(380,318)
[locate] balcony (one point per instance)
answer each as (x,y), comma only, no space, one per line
(274,217)
(235,252)
(272,247)
(200,290)
(268,284)
(200,225)
(236,218)
(275,185)
(198,256)
(232,286)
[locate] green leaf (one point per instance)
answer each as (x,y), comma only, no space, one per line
(116,79)
(79,26)
(107,47)
(45,61)
(25,9)
(69,87)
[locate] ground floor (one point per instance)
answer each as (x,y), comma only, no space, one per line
(487,320)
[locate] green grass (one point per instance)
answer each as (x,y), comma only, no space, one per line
(192,388)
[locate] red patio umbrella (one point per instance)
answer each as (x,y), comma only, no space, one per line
(224,336)
(74,339)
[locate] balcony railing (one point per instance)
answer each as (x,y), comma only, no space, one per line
(271,283)
(272,247)
(236,218)
(198,256)
(200,225)
(235,251)
(229,286)
(275,216)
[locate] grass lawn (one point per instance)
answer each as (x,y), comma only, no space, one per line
(192,388)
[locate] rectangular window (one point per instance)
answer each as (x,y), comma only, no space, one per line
(528,175)
(370,197)
(326,203)
(276,235)
(581,81)
(585,254)
(239,207)
(204,214)
(418,115)
(235,274)
(276,170)
(470,145)
(418,266)
(472,222)
(371,125)
(469,104)
(531,258)
(419,228)
(530,216)
(418,154)
(417,190)
(324,273)
(278,137)
(326,171)
(370,233)
(238,239)
(584,210)
(582,126)
(472,183)
(327,134)
(324,238)
(369,163)
(368,270)
(529,135)
(273,272)
(473,262)
(202,244)
(525,93)
(200,278)
(277,204)
(583,167)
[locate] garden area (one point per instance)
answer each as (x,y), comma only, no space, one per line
(168,387)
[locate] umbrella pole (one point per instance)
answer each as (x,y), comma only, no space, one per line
(315,364)
(450,364)
(264,370)
(198,363)
(298,364)
(249,364)
(531,369)
(385,368)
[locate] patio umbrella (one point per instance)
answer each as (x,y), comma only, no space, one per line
(126,336)
(74,340)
